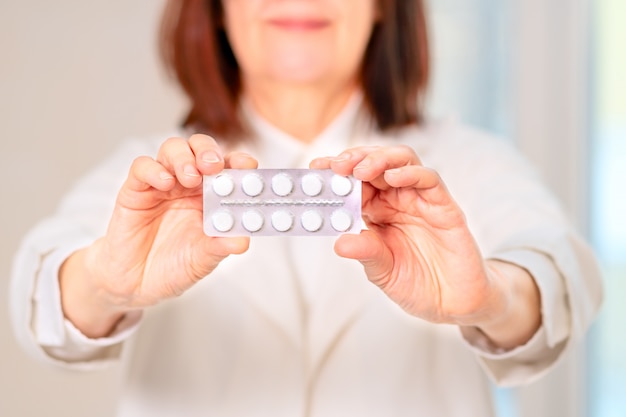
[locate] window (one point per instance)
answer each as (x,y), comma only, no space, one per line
(552,77)
(607,359)
(471,62)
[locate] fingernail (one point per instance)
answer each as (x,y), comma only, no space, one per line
(210,157)
(393,171)
(341,157)
(362,165)
(165,176)
(190,171)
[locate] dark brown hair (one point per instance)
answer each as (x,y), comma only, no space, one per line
(195,48)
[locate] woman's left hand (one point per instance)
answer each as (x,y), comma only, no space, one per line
(418,248)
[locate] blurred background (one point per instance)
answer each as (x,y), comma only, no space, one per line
(77,78)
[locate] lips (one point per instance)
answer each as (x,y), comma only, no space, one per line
(299,24)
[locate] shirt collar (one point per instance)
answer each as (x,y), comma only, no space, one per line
(277,149)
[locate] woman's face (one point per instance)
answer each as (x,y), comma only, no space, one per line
(299,41)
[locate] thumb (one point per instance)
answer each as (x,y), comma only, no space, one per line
(370,250)
(210,251)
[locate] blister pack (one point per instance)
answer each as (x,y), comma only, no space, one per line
(275,202)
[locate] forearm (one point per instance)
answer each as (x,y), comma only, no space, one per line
(519,315)
(82,303)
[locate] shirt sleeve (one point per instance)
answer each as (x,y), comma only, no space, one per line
(516,219)
(34,299)
(561,324)
(57,336)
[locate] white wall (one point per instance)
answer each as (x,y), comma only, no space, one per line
(76,77)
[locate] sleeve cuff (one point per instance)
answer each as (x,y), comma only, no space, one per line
(57,335)
(123,330)
(555,312)
(528,362)
(521,365)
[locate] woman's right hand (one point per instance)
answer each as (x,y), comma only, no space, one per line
(154,247)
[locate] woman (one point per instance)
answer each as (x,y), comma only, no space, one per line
(490,282)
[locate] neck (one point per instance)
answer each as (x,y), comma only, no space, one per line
(302,112)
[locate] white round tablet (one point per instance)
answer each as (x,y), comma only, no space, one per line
(252,184)
(312,184)
(252,220)
(341,220)
(223,185)
(222,220)
(311,220)
(341,186)
(282,184)
(282,220)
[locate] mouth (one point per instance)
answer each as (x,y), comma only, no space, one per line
(299,24)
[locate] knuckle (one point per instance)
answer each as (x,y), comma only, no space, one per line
(410,153)
(168,146)
(171,142)
(140,161)
(369,150)
(200,138)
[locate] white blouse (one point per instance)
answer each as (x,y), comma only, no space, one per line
(289,328)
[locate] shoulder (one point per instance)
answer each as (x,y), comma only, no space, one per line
(113,168)
(447,144)
(450,136)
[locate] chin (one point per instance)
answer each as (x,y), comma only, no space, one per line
(299,77)
(304,70)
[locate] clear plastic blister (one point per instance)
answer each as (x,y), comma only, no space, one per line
(274,202)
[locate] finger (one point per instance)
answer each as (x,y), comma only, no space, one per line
(369,249)
(344,162)
(146,173)
(320,163)
(240,160)
(374,164)
(145,176)
(369,163)
(425,180)
(225,246)
(208,154)
(177,157)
